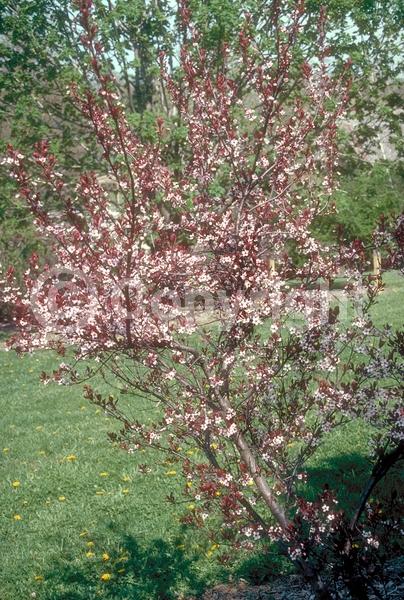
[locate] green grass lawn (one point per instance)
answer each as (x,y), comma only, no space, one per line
(77,518)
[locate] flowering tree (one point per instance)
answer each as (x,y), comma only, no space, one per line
(170,288)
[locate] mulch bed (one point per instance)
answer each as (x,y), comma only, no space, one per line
(293,587)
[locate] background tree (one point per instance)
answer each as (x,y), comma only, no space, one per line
(369,192)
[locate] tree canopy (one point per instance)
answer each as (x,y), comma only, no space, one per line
(41,52)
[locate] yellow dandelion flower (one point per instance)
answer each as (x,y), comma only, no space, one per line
(71,457)
(17,517)
(190,452)
(5,450)
(105,556)
(90,544)
(218,493)
(106,577)
(16,484)
(189,484)
(42,453)
(126,478)
(214,446)
(104,474)
(191,506)
(125,491)
(62,498)
(250,482)
(90,554)
(38,577)
(173,472)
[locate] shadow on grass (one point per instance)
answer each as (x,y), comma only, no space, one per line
(264,566)
(346,474)
(159,570)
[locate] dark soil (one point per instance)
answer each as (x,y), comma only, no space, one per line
(293,587)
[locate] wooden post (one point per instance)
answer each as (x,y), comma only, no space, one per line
(377,262)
